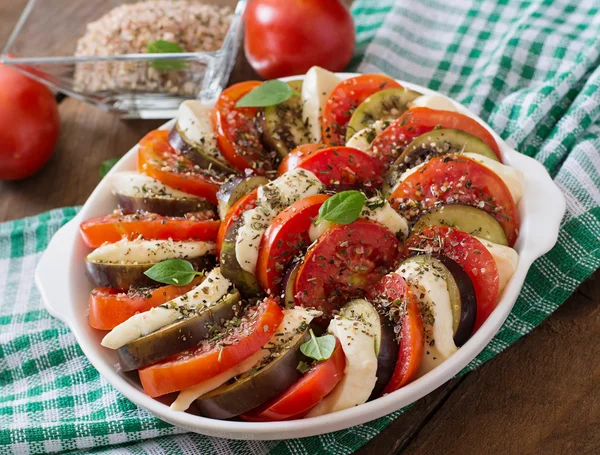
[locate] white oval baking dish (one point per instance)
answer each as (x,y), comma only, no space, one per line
(60,277)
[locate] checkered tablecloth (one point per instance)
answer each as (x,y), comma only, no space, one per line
(529,68)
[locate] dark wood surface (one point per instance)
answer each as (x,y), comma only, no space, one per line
(540,396)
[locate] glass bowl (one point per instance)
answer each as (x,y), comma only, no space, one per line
(141,85)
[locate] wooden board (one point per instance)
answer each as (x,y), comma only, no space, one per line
(540,396)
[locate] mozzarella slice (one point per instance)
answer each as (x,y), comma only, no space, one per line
(512,177)
(205,295)
(290,327)
(134,184)
(142,251)
(506,259)
(384,214)
(438,102)
(358,343)
(272,199)
(316,230)
(318,84)
(362,139)
(430,288)
(193,121)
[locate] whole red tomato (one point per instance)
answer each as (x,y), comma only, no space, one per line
(287,37)
(29,124)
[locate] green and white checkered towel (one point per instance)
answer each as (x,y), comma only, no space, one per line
(530,68)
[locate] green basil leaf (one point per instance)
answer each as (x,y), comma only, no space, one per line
(107,166)
(303,367)
(178,272)
(319,348)
(165,47)
(267,94)
(342,208)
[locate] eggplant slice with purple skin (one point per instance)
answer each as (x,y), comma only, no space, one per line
(236,187)
(161,205)
(464,308)
(260,384)
(197,152)
(179,336)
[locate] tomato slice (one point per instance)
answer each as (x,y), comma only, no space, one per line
(292,160)
(246,202)
(285,237)
(238,135)
(388,145)
(470,254)
(157,159)
(341,167)
(344,99)
(457,180)
(200,226)
(412,336)
(302,396)
(110,307)
(214,357)
(345,262)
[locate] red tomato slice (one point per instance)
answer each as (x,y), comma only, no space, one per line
(238,136)
(285,237)
(388,145)
(457,180)
(345,262)
(470,254)
(109,307)
(246,202)
(302,396)
(157,159)
(341,167)
(412,337)
(200,226)
(292,160)
(344,99)
(212,358)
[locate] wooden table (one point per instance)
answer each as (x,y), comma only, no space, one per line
(542,395)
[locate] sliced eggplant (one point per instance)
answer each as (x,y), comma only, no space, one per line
(463,302)
(231,269)
(263,382)
(198,152)
(383,105)
(165,206)
(464,218)
(283,127)
(386,345)
(287,296)
(234,188)
(179,336)
(433,144)
(122,264)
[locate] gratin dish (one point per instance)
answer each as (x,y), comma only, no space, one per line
(50,58)
(61,280)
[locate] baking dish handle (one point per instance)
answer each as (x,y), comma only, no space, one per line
(51,277)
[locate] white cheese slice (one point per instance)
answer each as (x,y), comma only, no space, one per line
(272,198)
(134,184)
(362,139)
(206,294)
(193,121)
(293,319)
(142,251)
(318,84)
(438,102)
(506,259)
(429,286)
(358,343)
(512,177)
